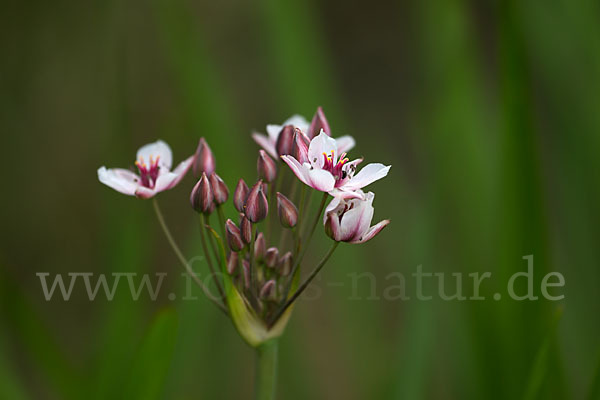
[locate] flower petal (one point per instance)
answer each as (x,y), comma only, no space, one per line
(266,143)
(300,170)
(157,149)
(367,175)
(320,179)
(121,180)
(143,192)
(168,180)
(372,232)
(298,121)
(345,143)
(347,194)
(319,145)
(333,204)
(273,131)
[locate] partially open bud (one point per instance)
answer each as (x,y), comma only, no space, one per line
(240,195)
(219,188)
(287,211)
(201,197)
(234,237)
(300,146)
(246,273)
(266,167)
(232,263)
(271,257)
(260,247)
(285,264)
(204,161)
(268,290)
(256,207)
(285,140)
(318,122)
(246,229)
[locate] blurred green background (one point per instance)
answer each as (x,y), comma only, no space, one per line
(489,112)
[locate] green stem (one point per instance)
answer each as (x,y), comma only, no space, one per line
(266,370)
(304,284)
(181,257)
(222,223)
(213,273)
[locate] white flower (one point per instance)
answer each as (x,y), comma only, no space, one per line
(153,162)
(326,172)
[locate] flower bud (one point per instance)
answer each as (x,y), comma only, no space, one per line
(246,273)
(232,263)
(201,197)
(266,167)
(219,188)
(260,247)
(256,207)
(268,289)
(246,229)
(271,257)
(240,195)
(300,146)
(285,264)
(234,237)
(318,122)
(204,160)
(287,211)
(285,140)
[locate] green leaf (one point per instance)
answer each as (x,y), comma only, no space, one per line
(152,361)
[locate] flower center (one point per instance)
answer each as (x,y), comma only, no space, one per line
(335,168)
(148,172)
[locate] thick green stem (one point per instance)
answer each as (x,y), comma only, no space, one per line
(266,370)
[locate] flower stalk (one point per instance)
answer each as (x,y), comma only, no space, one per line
(266,370)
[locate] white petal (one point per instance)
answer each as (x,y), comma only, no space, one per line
(122,180)
(333,204)
(319,145)
(266,143)
(347,194)
(273,131)
(145,193)
(157,149)
(367,175)
(334,225)
(168,180)
(374,230)
(298,121)
(320,179)
(345,143)
(300,170)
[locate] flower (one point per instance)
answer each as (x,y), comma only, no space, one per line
(257,206)
(349,220)
(266,167)
(202,196)
(287,211)
(326,172)
(153,162)
(269,141)
(240,194)
(205,160)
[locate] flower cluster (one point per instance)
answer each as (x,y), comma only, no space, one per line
(258,253)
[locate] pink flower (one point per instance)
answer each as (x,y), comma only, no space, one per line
(153,162)
(327,172)
(269,141)
(349,220)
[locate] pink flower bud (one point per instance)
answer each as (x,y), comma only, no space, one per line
(219,188)
(234,237)
(266,167)
(318,122)
(246,229)
(287,211)
(246,273)
(300,146)
(240,195)
(285,264)
(285,140)
(204,160)
(260,247)
(271,257)
(232,263)
(268,289)
(256,207)
(201,197)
